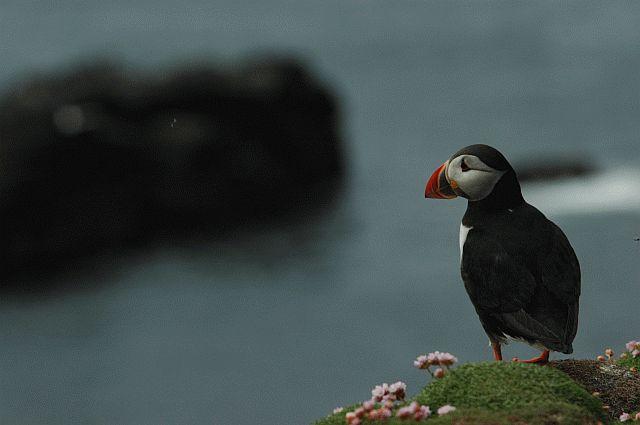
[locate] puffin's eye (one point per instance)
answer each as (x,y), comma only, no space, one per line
(464,166)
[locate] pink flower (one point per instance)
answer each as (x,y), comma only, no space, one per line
(384,413)
(421,362)
(422,413)
(435,359)
(352,419)
(398,389)
(387,403)
(447,408)
(637,417)
(359,412)
(608,352)
(415,411)
(379,392)
(407,411)
(625,417)
(438,358)
(338,410)
(446,359)
(633,347)
(380,414)
(368,405)
(439,373)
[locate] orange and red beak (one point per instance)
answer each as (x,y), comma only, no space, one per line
(438,187)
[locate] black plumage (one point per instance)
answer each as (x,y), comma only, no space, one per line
(518,267)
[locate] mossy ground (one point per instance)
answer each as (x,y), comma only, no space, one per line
(504,393)
(502,386)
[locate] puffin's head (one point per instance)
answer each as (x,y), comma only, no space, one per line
(472,172)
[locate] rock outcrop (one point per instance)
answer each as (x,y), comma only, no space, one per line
(102,158)
(616,386)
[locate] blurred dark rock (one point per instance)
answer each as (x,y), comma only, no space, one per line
(102,158)
(553,169)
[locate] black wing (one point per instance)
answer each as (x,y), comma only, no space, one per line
(514,298)
(560,275)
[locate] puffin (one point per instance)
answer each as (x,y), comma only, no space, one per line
(518,267)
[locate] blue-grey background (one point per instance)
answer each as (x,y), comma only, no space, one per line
(280,326)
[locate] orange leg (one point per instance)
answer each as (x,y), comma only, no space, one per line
(541,360)
(497,351)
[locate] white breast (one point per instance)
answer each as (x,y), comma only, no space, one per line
(464,231)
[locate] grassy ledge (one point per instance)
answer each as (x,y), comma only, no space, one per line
(509,388)
(502,393)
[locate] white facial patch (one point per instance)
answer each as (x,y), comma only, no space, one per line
(478,181)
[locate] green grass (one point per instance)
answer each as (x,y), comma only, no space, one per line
(503,386)
(500,393)
(561,414)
